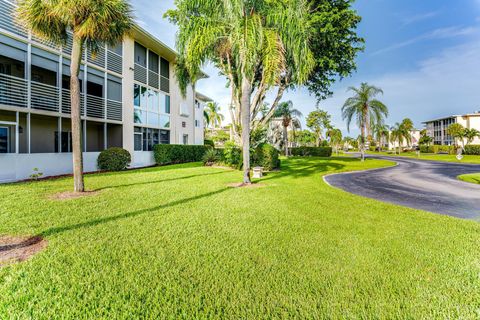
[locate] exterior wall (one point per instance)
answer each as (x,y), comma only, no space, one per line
(199,123)
(437,129)
(106,121)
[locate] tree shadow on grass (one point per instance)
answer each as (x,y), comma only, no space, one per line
(305,167)
(131,214)
(158,181)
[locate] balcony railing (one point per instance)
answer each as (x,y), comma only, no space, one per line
(14,91)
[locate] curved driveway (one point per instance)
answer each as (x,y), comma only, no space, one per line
(420,184)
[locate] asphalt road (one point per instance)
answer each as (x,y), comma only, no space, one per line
(427,185)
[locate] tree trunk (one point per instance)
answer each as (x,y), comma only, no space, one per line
(245,116)
(362,143)
(285,140)
(78,185)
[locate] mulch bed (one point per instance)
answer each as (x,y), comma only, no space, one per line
(17,249)
(68,195)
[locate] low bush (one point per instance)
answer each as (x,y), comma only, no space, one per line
(426,149)
(312,151)
(232,155)
(209,143)
(266,156)
(114,159)
(444,149)
(211,157)
(177,153)
(472,149)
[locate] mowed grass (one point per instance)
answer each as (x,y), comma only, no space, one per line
(434,157)
(176,242)
(472,178)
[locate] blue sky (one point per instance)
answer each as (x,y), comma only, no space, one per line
(424,54)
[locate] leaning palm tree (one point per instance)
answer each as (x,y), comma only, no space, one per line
(256,45)
(289,116)
(397,136)
(213,115)
(366,109)
(407,128)
(91,23)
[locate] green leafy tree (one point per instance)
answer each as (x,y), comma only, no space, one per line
(336,138)
(457,132)
(92,23)
(304,138)
(365,109)
(257,45)
(318,121)
(213,116)
(381,133)
(425,139)
(290,117)
(334,42)
(349,141)
(471,134)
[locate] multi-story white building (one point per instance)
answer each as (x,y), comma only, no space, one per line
(437,128)
(129,95)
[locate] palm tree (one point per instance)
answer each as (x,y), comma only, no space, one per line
(457,131)
(397,135)
(213,116)
(336,138)
(407,128)
(92,23)
(381,132)
(255,44)
(289,116)
(471,134)
(366,109)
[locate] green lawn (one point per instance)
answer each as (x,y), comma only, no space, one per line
(176,242)
(472,178)
(431,156)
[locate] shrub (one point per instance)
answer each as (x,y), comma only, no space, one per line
(472,149)
(372,148)
(177,153)
(444,149)
(232,155)
(210,157)
(312,151)
(266,156)
(114,159)
(426,149)
(209,143)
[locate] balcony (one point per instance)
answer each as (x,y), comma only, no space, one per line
(15,91)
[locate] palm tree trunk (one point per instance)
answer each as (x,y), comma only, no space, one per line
(285,140)
(245,116)
(362,143)
(78,184)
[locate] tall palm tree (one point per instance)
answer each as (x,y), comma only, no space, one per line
(407,128)
(255,44)
(289,116)
(92,23)
(213,116)
(366,109)
(397,135)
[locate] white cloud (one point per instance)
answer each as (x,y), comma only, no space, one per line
(419,17)
(441,33)
(442,85)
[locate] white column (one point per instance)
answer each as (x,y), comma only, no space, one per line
(84,135)
(105,136)
(127,94)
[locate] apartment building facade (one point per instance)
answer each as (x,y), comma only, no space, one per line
(129,98)
(438,128)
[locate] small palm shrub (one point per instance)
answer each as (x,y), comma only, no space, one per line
(211,157)
(232,155)
(472,149)
(114,159)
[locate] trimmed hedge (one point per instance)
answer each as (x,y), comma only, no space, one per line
(232,155)
(472,150)
(178,153)
(312,151)
(114,159)
(437,149)
(266,156)
(210,143)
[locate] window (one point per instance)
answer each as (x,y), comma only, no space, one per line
(164,121)
(153,100)
(4,140)
(197,124)
(146,138)
(136,95)
(140,53)
(153,61)
(164,137)
(137,139)
(164,68)
(153,119)
(139,116)
(185,139)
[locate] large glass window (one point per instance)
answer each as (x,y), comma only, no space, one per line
(153,119)
(146,138)
(153,61)
(153,100)
(164,121)
(140,116)
(4,140)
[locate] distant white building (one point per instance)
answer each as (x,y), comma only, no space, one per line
(437,128)
(415,138)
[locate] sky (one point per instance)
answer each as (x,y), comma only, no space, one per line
(425,55)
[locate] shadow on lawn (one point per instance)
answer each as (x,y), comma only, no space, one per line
(158,181)
(305,167)
(95,222)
